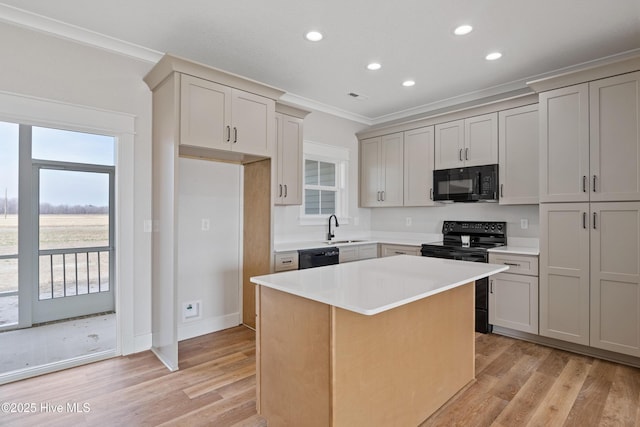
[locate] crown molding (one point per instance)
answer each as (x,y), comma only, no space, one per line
(318,106)
(32,21)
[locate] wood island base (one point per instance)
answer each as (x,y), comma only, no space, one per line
(319,365)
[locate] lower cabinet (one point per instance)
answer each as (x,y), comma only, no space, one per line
(590,274)
(513,302)
(358,252)
(284,261)
(391,250)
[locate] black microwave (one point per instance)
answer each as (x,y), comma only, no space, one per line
(470,184)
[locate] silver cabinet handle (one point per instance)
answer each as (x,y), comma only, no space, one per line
(235,135)
(501,190)
(594,220)
(584,183)
(378,196)
(466,154)
(228,133)
(584,220)
(460,154)
(280,195)
(285,190)
(594,183)
(431,193)
(382,196)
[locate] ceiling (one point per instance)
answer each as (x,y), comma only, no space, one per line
(412,39)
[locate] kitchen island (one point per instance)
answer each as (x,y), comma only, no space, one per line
(380,342)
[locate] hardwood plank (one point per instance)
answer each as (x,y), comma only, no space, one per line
(523,405)
(621,405)
(592,397)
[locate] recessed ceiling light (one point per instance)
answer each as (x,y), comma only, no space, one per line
(408,83)
(462,30)
(493,56)
(374,66)
(313,36)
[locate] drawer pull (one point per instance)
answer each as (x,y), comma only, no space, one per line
(400,253)
(288,261)
(513,264)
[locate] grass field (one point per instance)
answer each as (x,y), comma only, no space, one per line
(59,232)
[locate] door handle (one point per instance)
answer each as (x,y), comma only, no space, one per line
(460,154)
(594,220)
(228,133)
(501,190)
(285,190)
(491,286)
(431,193)
(378,196)
(584,220)
(382,196)
(235,135)
(466,154)
(594,183)
(584,183)
(280,195)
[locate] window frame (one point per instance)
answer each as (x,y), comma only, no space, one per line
(338,156)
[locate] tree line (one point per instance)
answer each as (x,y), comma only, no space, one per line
(10,207)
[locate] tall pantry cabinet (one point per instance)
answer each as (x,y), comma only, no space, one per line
(204,113)
(590,213)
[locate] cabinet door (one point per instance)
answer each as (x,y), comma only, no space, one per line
(348,254)
(615,138)
(449,145)
(205,113)
(513,302)
(481,140)
(564,272)
(369,172)
(290,160)
(518,148)
(392,165)
(564,144)
(278,188)
(368,251)
(615,277)
(253,121)
(418,167)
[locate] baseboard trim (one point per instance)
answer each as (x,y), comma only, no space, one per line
(48,368)
(142,343)
(571,347)
(197,328)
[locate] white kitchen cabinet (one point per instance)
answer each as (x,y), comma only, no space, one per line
(391,250)
(614,118)
(418,167)
(513,296)
(518,152)
(284,261)
(590,141)
(615,277)
(564,271)
(289,134)
(219,117)
(469,142)
(381,171)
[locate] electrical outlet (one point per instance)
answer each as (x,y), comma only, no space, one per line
(205,224)
(407,221)
(191,310)
(524,224)
(148,226)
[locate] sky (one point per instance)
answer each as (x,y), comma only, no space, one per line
(59,187)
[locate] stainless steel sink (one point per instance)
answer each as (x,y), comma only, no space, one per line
(338,242)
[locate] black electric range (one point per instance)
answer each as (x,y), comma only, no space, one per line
(469,241)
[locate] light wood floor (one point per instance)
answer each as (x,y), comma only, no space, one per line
(518,384)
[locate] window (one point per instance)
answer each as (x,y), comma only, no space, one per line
(325,176)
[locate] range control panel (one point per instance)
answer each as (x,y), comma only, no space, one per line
(474,227)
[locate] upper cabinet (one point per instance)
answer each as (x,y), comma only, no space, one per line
(381,171)
(219,117)
(288,160)
(590,141)
(469,142)
(418,167)
(518,151)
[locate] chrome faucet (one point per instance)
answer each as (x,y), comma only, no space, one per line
(330,234)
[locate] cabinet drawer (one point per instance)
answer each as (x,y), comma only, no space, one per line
(391,250)
(286,261)
(518,264)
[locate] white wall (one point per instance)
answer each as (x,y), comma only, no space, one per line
(429,219)
(47,67)
(209,260)
(331,130)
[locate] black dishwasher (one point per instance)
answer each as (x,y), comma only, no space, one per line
(309,258)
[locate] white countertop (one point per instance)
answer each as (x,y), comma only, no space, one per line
(372,286)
